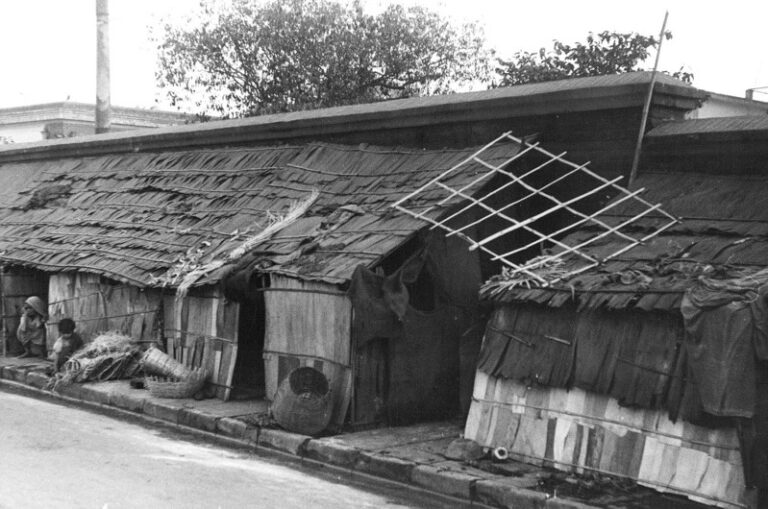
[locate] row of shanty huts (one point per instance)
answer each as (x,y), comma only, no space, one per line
(255,246)
(110,240)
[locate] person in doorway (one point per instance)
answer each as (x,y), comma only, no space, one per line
(67,344)
(31,331)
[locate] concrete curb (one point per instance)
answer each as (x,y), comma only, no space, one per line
(491,491)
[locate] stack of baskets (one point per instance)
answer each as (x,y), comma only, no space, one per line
(167,378)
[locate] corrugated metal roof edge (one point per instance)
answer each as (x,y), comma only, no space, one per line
(413,112)
(710,127)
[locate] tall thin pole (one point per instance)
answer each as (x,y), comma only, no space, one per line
(103,101)
(646,107)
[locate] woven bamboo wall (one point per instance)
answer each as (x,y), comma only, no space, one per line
(96,306)
(202,331)
(581,431)
(308,324)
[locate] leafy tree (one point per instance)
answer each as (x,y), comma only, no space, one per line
(247,57)
(603,53)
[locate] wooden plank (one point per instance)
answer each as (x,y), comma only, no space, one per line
(198,318)
(345,392)
(270,375)
(215,376)
(531,439)
(227,366)
(206,348)
(226,322)
(182,315)
(471,427)
(564,440)
(231,373)
(169,328)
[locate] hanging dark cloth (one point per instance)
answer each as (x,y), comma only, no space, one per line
(381,302)
(720,351)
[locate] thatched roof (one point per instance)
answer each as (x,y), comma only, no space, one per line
(135,217)
(723,234)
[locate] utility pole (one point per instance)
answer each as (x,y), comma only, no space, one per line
(103,102)
(646,107)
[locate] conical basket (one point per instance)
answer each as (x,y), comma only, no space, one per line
(162,387)
(155,362)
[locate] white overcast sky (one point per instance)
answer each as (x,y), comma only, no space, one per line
(48,46)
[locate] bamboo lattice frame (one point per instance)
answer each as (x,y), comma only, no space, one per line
(468,194)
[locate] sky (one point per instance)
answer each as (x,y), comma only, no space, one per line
(49,46)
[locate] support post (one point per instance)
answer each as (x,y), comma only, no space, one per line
(103,101)
(646,109)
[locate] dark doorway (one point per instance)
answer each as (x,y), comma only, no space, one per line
(16,285)
(248,380)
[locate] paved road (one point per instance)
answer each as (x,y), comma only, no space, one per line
(53,455)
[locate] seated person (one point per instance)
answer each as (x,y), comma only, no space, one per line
(31,331)
(68,343)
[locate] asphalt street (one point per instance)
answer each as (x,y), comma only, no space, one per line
(52,455)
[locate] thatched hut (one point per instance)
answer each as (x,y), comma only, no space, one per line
(651,366)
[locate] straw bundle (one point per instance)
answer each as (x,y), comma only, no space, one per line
(111,342)
(109,356)
(547,268)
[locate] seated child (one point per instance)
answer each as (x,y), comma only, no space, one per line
(68,343)
(31,331)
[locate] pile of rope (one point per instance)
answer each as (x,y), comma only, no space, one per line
(109,356)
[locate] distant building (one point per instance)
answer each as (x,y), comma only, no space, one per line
(67,119)
(722,105)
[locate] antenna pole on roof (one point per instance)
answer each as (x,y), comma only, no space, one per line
(646,107)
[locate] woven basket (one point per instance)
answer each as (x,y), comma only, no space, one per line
(169,387)
(303,402)
(156,362)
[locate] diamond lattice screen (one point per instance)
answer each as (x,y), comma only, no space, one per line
(527,205)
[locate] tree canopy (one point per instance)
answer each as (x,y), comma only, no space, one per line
(247,57)
(602,53)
